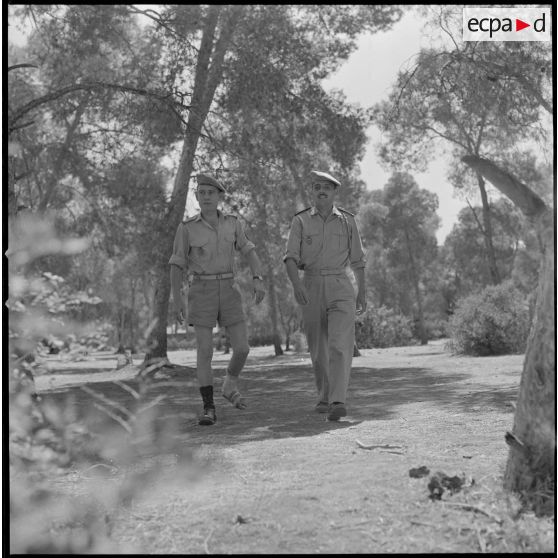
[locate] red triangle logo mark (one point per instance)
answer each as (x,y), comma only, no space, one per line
(519,25)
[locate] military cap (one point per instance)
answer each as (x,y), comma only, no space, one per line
(210,181)
(325,176)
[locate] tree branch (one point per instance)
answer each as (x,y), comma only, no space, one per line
(158,19)
(506,70)
(17,66)
(216,68)
(481,228)
(88,86)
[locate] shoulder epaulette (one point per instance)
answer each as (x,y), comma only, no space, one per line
(302,211)
(345,211)
(230,215)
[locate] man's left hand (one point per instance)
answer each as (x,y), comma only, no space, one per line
(259,290)
(361,303)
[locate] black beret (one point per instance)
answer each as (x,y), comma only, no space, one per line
(210,181)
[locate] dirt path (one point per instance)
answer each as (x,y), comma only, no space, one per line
(279,478)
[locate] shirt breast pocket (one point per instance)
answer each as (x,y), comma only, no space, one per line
(229,239)
(340,240)
(199,249)
(311,243)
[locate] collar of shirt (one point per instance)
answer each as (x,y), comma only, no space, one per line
(199,217)
(334,211)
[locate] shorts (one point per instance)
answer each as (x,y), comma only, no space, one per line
(214,300)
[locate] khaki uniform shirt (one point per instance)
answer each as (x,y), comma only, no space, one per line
(332,244)
(200,248)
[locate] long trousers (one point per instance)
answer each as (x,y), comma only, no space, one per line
(329,324)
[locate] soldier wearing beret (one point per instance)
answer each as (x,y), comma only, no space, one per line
(324,241)
(204,246)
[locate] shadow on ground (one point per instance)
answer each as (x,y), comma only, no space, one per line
(280,400)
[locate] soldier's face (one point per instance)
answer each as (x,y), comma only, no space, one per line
(323,192)
(208,197)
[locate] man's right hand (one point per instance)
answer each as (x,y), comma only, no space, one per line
(300,293)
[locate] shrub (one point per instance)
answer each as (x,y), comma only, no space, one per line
(63,449)
(181,341)
(495,321)
(261,339)
(436,327)
(382,327)
(299,342)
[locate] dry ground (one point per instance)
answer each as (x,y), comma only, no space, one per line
(279,478)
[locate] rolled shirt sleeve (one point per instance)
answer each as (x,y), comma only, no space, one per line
(293,242)
(357,259)
(180,247)
(242,243)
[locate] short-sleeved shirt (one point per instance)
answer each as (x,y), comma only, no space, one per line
(203,249)
(317,244)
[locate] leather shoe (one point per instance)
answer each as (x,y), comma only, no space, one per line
(209,417)
(336,411)
(322,407)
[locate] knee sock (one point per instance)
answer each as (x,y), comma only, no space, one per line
(207,396)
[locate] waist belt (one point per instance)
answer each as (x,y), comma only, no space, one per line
(202,277)
(324,272)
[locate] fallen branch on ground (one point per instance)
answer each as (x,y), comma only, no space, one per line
(379,446)
(470,507)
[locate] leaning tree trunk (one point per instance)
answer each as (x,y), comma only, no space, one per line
(209,71)
(530,468)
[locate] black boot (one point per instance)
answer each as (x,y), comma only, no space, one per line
(208,417)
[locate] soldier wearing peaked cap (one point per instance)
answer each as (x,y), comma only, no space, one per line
(318,176)
(324,241)
(204,246)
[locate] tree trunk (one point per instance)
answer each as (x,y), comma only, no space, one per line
(157,329)
(132,315)
(120,325)
(531,461)
(272,301)
(530,468)
(209,71)
(263,236)
(487,233)
(416,285)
